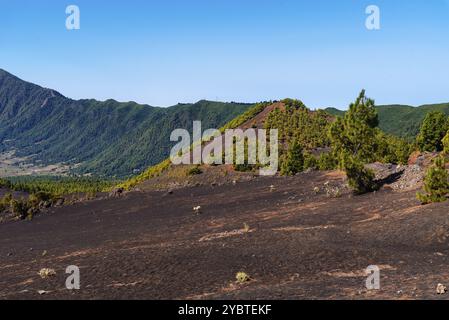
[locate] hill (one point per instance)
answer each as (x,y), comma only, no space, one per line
(108,138)
(401,120)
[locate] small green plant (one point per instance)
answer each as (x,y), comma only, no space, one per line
(242,277)
(332,192)
(5,202)
(310,162)
(20,208)
(436,183)
(195,171)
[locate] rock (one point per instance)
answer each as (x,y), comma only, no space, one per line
(197,209)
(42,292)
(403,178)
(441,289)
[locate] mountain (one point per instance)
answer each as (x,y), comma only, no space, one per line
(107,138)
(401,120)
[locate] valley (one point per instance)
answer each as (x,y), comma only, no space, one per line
(12,166)
(344,198)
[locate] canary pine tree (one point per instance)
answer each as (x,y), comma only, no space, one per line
(433,129)
(446,144)
(436,183)
(294,160)
(354,143)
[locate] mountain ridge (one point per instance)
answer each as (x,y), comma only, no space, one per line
(108,138)
(119,139)
(401,120)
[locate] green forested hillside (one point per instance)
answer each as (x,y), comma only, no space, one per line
(401,120)
(107,138)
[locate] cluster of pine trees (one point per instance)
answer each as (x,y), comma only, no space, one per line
(45,191)
(314,140)
(434,137)
(57,185)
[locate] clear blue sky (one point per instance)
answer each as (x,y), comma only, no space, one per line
(161,52)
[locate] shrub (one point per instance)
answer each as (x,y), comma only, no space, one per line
(195,171)
(446,144)
(242,277)
(244,167)
(391,149)
(360,179)
(293,162)
(20,208)
(436,183)
(327,161)
(36,198)
(310,162)
(5,202)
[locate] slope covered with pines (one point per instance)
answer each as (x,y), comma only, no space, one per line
(107,138)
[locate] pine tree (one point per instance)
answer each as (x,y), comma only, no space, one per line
(436,183)
(433,130)
(354,142)
(446,144)
(294,160)
(355,134)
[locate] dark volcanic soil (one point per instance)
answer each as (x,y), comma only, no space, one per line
(301,244)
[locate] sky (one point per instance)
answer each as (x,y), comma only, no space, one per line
(164,52)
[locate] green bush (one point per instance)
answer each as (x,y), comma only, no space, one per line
(20,208)
(310,162)
(436,183)
(327,161)
(244,167)
(446,144)
(360,179)
(433,129)
(5,202)
(293,161)
(195,171)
